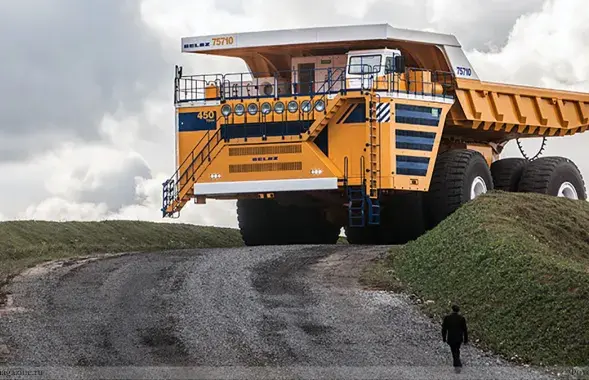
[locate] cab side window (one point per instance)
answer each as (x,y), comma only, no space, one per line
(389,65)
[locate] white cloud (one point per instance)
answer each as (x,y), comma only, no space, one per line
(479,25)
(96,174)
(214,213)
(545,49)
(72,63)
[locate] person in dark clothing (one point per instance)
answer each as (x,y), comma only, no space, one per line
(454,332)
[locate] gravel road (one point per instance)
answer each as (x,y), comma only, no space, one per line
(275,312)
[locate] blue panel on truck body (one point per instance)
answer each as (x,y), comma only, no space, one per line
(195,121)
(408,165)
(414,140)
(419,115)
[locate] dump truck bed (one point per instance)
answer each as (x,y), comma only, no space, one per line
(517,111)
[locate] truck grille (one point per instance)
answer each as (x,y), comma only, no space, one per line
(265,150)
(266,167)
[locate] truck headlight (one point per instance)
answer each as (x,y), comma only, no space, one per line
(266,108)
(226,110)
(320,105)
(279,107)
(252,109)
(239,109)
(306,106)
(293,106)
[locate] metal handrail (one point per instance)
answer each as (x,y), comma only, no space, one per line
(234,86)
(191,170)
(311,115)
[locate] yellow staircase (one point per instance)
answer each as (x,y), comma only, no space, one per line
(179,189)
(320,123)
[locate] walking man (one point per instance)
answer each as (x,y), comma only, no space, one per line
(454,332)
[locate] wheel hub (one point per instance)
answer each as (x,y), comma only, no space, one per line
(478,187)
(567,190)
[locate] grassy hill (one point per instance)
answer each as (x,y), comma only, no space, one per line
(26,243)
(518,264)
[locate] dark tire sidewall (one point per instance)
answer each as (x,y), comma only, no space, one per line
(507,173)
(477,168)
(566,172)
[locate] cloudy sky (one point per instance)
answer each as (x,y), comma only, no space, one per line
(86,113)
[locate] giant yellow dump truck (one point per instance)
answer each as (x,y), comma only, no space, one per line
(382,131)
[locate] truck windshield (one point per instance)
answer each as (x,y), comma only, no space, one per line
(365,64)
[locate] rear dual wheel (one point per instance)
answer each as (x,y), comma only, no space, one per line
(556,176)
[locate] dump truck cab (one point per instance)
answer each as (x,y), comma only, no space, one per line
(378,130)
(366,67)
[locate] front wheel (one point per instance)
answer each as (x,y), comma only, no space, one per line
(367,235)
(460,176)
(402,218)
(266,222)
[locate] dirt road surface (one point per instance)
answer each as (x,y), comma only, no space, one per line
(274,312)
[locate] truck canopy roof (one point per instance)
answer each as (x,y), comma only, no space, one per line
(268,51)
(326,36)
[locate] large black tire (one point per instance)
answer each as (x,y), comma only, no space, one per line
(308,225)
(362,236)
(507,173)
(402,219)
(265,222)
(260,222)
(455,175)
(547,175)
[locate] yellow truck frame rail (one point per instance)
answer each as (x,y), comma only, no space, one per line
(382,131)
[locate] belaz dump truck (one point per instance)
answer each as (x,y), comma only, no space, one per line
(382,131)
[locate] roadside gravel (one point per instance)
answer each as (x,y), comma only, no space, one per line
(226,313)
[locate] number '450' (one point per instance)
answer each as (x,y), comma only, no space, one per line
(207,115)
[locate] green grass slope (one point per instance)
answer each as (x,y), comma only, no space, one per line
(25,243)
(518,264)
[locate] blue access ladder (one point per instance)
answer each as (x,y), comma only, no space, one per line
(362,207)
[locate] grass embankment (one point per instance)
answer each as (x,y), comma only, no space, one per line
(518,264)
(26,243)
